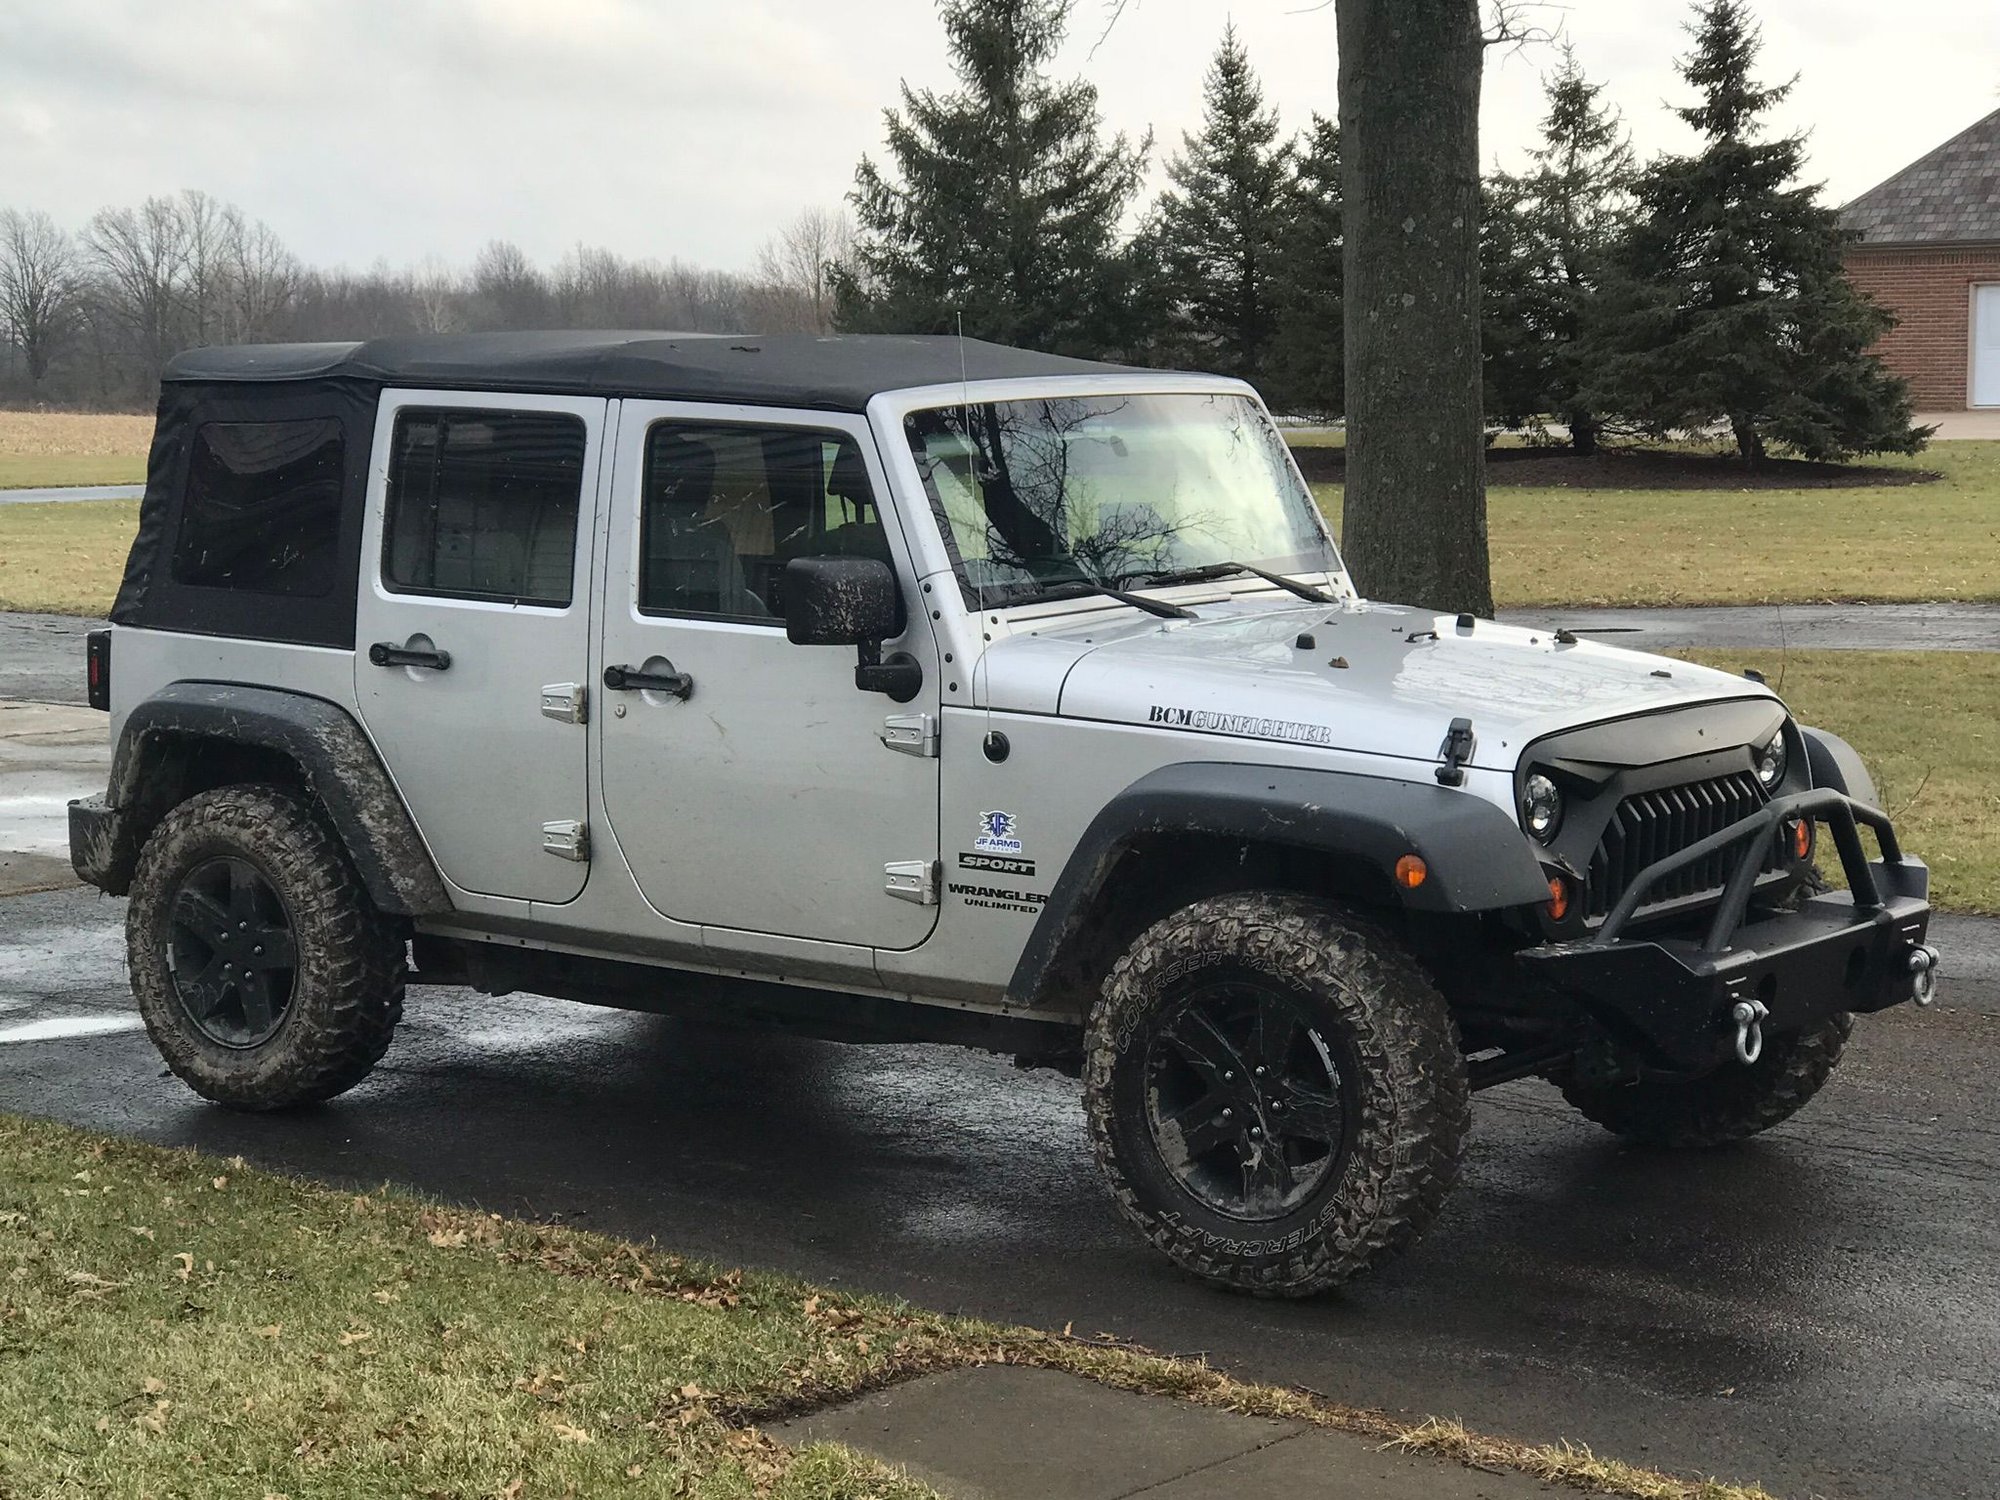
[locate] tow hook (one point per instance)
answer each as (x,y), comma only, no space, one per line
(1749,1018)
(1923,962)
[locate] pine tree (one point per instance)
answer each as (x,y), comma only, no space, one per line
(1308,354)
(1219,225)
(1546,239)
(1002,204)
(1730,304)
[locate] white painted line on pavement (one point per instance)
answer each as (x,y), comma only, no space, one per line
(57,1030)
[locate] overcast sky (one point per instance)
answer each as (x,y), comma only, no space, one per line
(398,129)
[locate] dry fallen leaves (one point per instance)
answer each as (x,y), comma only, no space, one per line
(570,1434)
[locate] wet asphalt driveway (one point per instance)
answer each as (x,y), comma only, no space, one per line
(1818,1310)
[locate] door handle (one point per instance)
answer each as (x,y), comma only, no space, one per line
(385,654)
(632,679)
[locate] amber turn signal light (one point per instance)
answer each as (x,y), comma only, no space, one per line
(1558,897)
(1411,871)
(1796,839)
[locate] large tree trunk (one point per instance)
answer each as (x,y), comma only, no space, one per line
(1414,528)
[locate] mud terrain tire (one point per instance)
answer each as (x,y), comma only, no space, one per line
(1730,1104)
(1354,1001)
(344,993)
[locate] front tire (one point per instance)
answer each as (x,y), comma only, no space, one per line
(1733,1103)
(1275,1092)
(263,972)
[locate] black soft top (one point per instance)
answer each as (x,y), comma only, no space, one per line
(836,373)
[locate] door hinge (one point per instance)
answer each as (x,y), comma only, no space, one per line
(914,880)
(567,838)
(912,734)
(566,702)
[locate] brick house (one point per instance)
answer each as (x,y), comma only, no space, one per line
(1930,253)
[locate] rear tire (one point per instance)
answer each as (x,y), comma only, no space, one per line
(1313,1023)
(310,1010)
(1733,1103)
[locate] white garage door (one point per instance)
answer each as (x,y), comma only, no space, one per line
(1986,345)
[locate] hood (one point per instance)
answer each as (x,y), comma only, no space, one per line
(1376,679)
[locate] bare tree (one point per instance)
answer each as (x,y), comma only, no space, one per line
(259,283)
(509,291)
(140,257)
(205,267)
(39,287)
(800,259)
(436,292)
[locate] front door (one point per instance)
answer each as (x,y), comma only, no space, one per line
(747,780)
(1986,345)
(473,628)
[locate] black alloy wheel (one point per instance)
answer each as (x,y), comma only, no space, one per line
(231,952)
(1250,1107)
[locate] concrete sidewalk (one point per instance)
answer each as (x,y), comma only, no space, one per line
(1000,1432)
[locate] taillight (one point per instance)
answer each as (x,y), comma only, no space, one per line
(97,668)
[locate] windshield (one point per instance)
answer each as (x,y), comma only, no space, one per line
(1055,491)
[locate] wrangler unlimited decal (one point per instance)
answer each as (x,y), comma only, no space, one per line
(998,897)
(1250,724)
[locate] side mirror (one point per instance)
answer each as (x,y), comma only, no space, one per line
(852,601)
(840,601)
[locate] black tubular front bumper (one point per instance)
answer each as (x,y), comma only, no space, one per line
(1675,999)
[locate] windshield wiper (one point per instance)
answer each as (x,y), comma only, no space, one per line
(1224,569)
(1083,587)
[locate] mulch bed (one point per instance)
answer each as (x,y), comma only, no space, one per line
(1645,469)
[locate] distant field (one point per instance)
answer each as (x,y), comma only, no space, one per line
(44,449)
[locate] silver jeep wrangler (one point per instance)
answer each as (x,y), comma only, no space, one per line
(912,689)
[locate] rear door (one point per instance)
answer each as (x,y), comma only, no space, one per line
(472,637)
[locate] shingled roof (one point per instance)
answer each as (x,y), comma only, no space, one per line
(1950,196)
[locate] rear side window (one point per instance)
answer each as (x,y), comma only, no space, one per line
(262,508)
(483,505)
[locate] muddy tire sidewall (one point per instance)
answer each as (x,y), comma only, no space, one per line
(348,983)
(1397,1053)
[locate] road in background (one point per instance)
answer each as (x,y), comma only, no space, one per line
(1801,627)
(72,492)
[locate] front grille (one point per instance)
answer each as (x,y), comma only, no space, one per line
(1649,826)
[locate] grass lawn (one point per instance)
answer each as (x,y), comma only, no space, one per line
(1924,723)
(64,558)
(54,470)
(1655,547)
(177,1325)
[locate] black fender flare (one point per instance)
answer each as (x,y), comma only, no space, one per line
(1478,857)
(1835,763)
(336,763)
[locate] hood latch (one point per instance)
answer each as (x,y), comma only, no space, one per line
(1456,750)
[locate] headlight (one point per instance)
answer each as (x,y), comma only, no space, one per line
(1541,807)
(1771,761)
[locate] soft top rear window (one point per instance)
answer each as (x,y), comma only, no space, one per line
(262,508)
